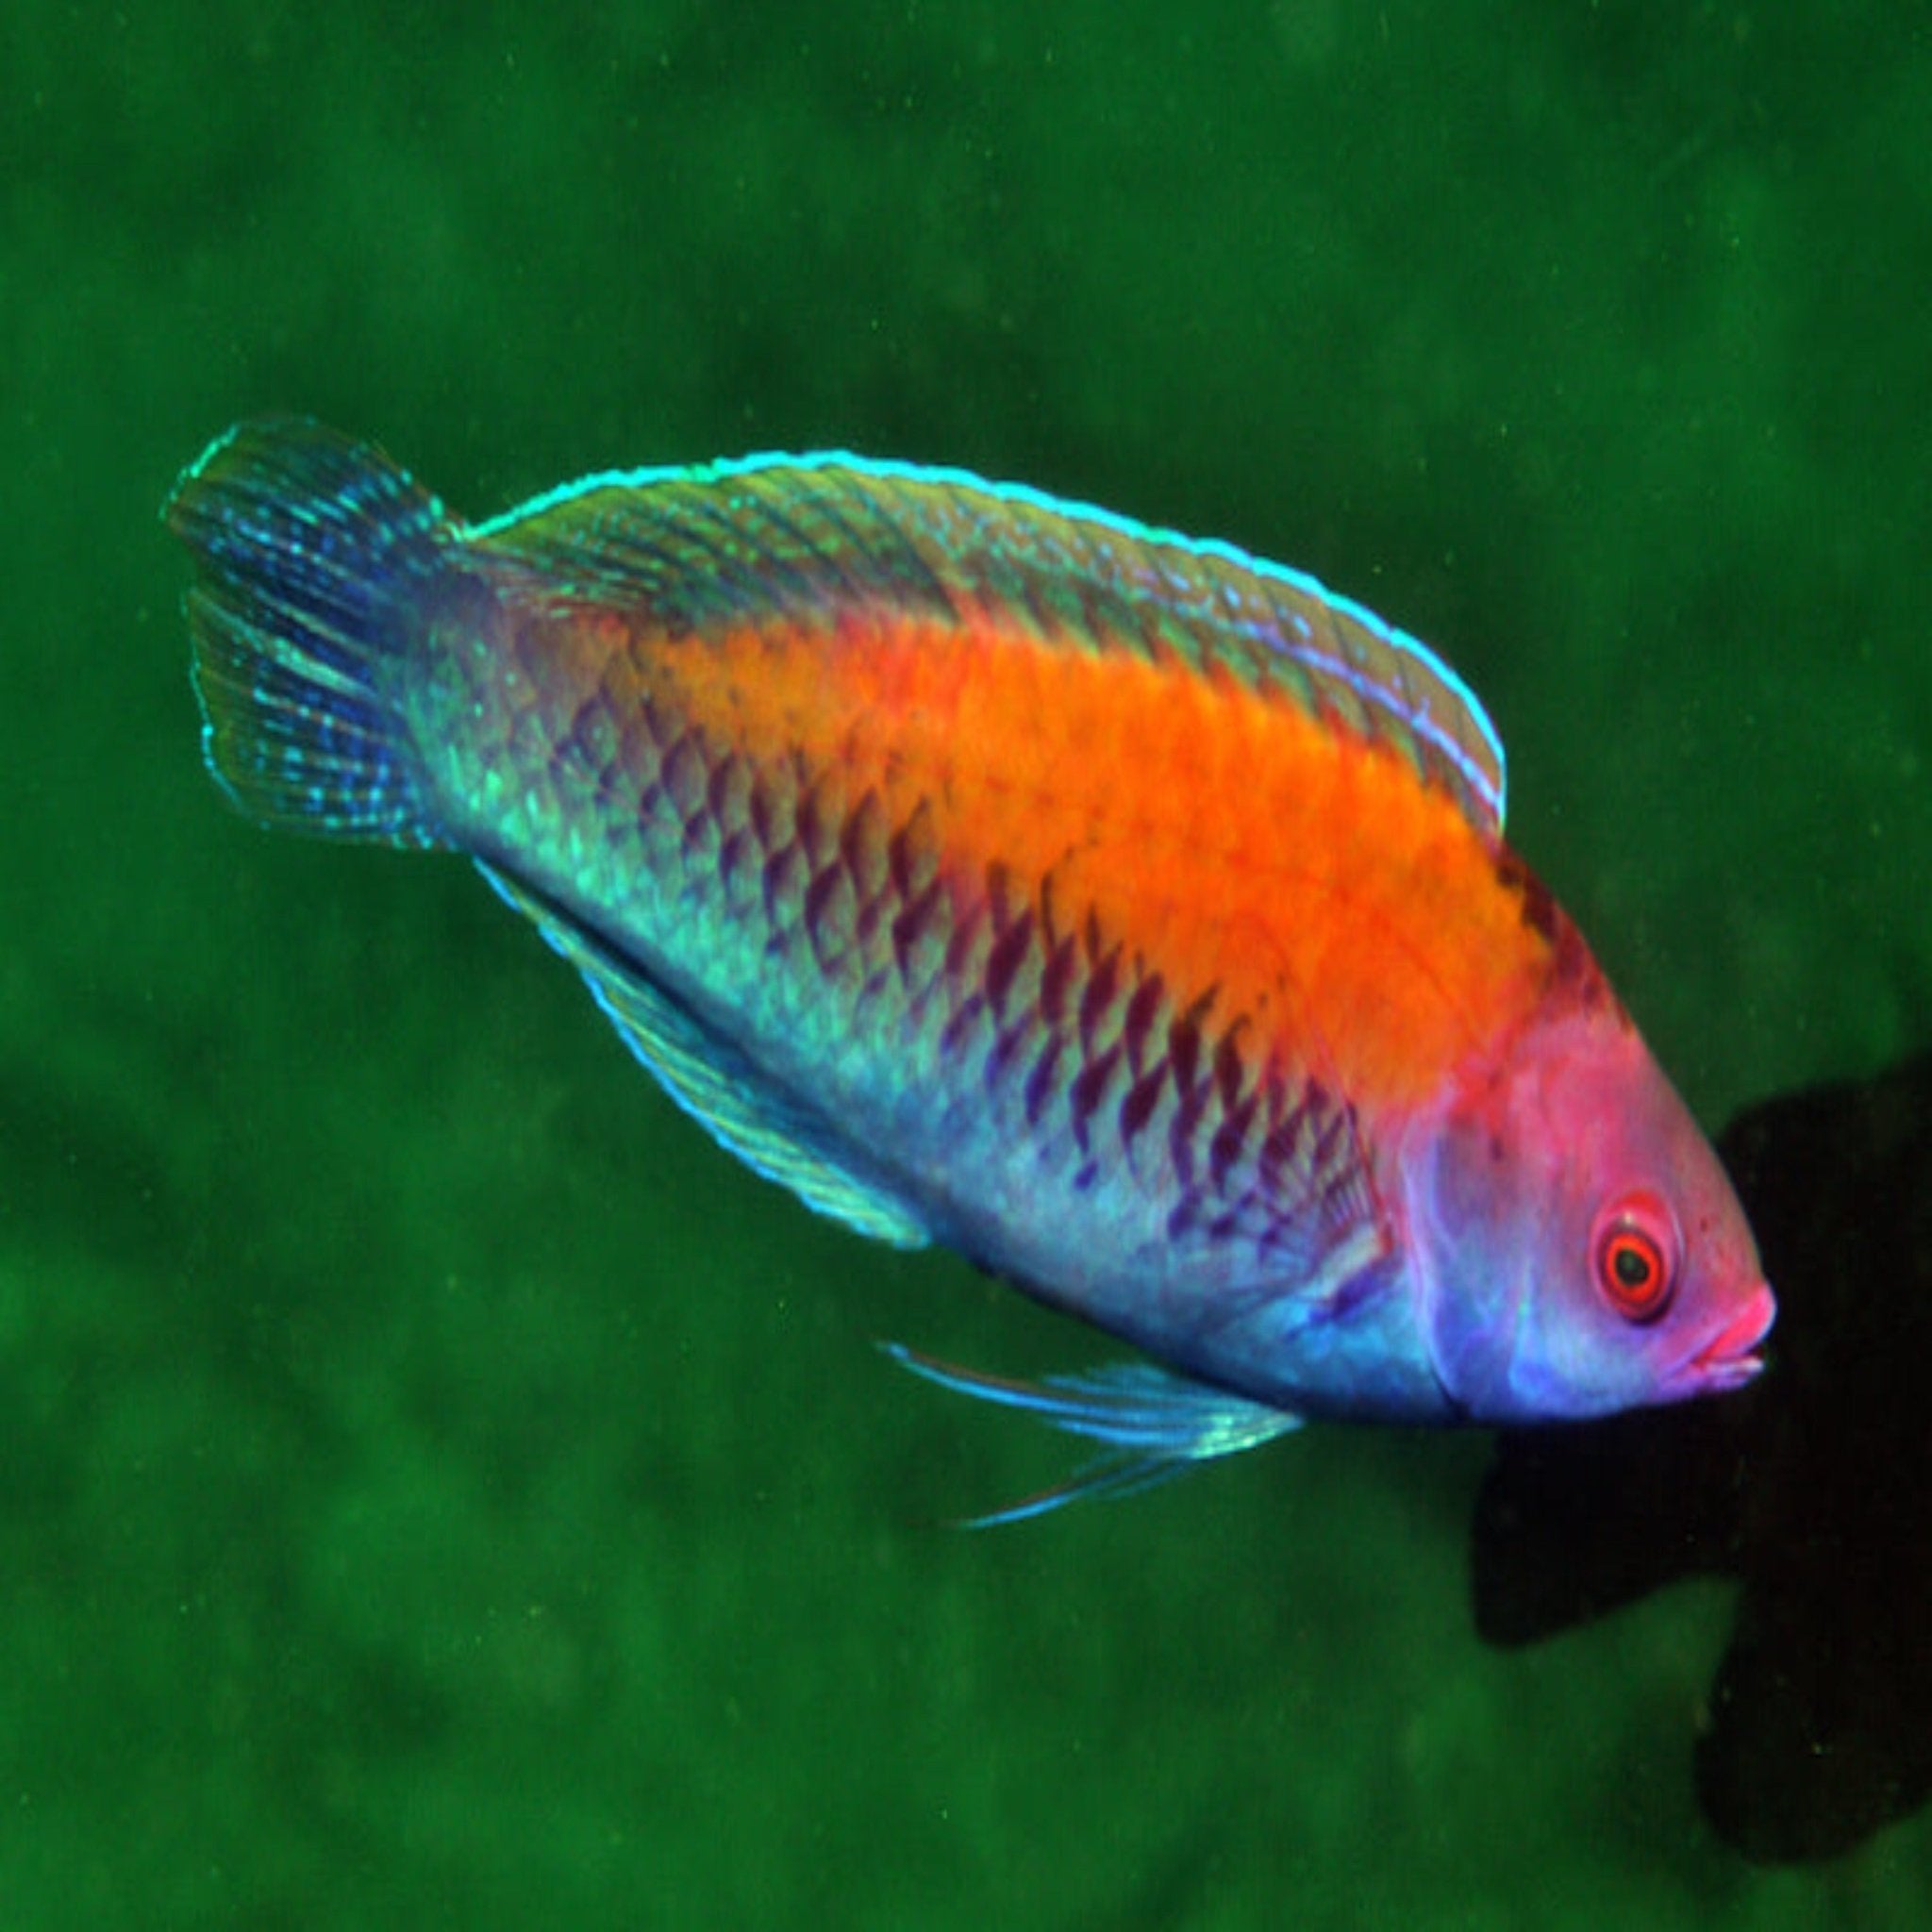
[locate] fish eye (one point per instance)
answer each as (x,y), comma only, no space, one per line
(1634,1254)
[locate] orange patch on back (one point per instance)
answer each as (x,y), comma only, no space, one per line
(1228,837)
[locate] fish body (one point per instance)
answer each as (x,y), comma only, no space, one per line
(1126,914)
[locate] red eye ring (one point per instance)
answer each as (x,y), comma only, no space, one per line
(1634,1258)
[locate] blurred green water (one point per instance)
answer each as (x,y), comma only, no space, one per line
(434,1485)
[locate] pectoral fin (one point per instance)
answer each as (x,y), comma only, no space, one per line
(1154,1423)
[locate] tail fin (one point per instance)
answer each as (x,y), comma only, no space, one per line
(313,554)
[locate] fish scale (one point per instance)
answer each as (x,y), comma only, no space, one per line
(982,954)
(1129,913)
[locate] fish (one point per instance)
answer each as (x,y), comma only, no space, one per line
(1124,912)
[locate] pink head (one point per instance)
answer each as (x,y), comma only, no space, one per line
(1579,1249)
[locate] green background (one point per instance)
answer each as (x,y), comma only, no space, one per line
(436,1485)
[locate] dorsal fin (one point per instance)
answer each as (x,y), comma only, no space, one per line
(773,537)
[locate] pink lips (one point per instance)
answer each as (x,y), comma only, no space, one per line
(1725,1361)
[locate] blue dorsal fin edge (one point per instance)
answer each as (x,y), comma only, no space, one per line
(1152,1423)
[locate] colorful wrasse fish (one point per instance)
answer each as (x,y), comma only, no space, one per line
(1129,914)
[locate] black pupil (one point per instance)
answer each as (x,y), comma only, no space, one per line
(1632,1267)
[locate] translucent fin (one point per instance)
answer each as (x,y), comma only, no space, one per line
(772,1131)
(781,539)
(312,556)
(1156,1423)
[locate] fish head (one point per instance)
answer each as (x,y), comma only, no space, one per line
(1580,1249)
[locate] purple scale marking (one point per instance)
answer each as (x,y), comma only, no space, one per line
(1138,1025)
(965,1017)
(1003,962)
(909,926)
(1056,981)
(1089,1088)
(1137,1110)
(1039,1082)
(1097,1000)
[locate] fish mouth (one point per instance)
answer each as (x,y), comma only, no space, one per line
(1726,1359)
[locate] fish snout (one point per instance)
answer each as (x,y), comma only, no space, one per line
(1726,1358)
